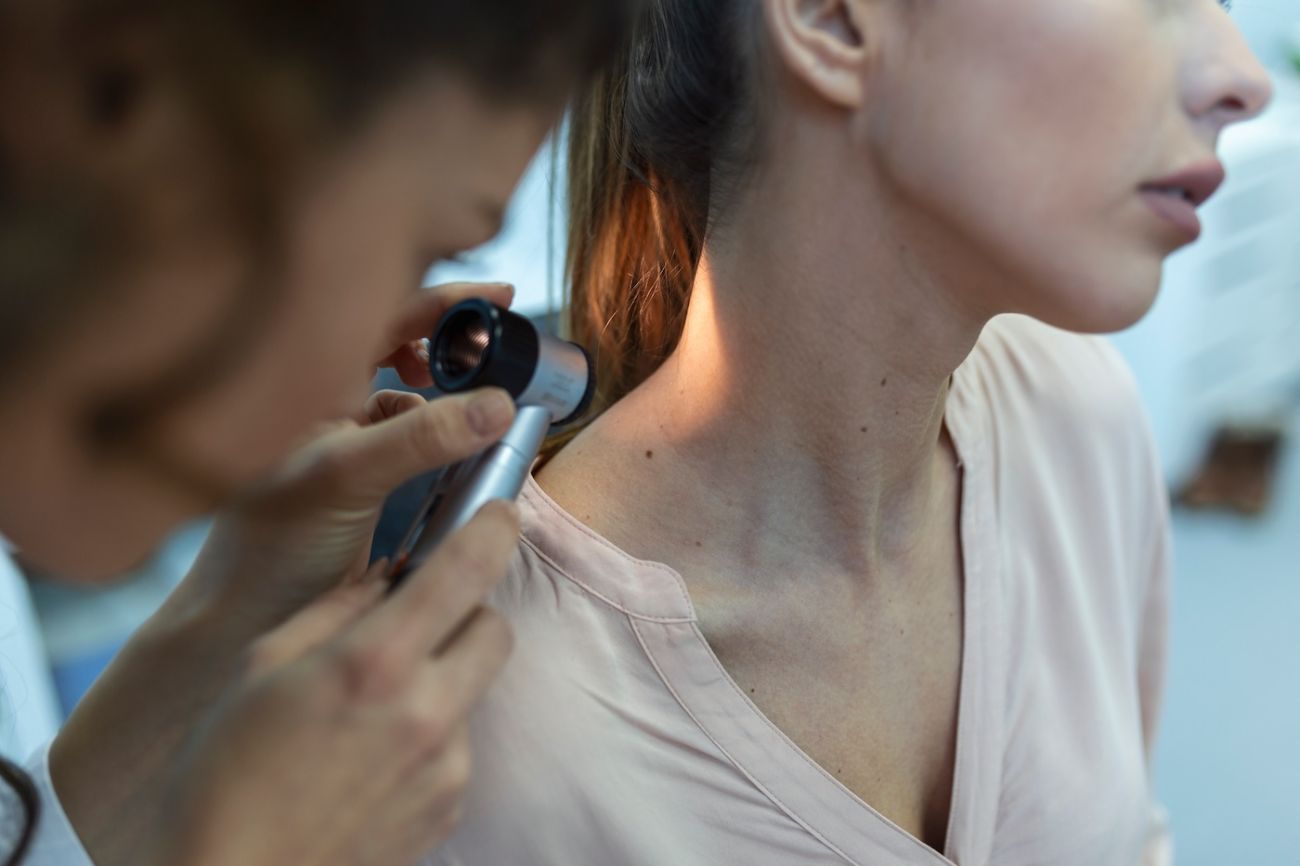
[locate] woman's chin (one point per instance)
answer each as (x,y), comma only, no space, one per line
(1117,314)
(1102,303)
(1124,298)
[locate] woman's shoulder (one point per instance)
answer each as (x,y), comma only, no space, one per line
(1042,387)
(1066,435)
(582,575)
(1056,369)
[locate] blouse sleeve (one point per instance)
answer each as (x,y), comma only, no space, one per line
(1153,649)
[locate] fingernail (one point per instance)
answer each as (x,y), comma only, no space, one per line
(490,412)
(422,350)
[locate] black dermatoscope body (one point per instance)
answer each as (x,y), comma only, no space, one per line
(479,345)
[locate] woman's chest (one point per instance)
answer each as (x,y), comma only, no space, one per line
(868,690)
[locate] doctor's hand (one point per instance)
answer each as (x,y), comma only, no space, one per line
(300,536)
(346,743)
(310,527)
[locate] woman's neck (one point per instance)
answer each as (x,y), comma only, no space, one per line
(803,409)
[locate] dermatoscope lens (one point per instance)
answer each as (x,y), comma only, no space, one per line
(466,346)
(479,345)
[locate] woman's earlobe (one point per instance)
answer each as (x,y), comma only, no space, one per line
(823,43)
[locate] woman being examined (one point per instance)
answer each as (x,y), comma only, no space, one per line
(866,560)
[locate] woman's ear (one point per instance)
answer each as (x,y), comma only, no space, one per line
(826,44)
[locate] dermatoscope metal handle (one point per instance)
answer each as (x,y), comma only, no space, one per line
(459,494)
(552,382)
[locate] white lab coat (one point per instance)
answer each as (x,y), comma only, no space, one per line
(29,717)
(29,711)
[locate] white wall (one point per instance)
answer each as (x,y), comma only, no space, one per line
(1270,25)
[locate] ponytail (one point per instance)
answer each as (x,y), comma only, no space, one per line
(650,142)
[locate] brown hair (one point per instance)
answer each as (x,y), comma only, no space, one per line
(657,145)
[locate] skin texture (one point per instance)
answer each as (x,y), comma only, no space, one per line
(921,168)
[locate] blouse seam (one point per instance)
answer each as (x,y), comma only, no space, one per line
(777,801)
(554,507)
(969,692)
(590,590)
(820,770)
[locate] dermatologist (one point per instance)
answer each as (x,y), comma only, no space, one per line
(213,220)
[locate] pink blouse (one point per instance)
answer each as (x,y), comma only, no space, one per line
(615,737)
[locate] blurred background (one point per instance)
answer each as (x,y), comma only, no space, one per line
(1218,362)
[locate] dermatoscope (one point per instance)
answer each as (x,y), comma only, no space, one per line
(480,345)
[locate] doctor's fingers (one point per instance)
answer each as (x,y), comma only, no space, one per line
(387,404)
(427,614)
(468,664)
(428,803)
(424,312)
(323,620)
(421,316)
(363,465)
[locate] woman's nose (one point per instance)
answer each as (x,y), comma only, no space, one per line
(1226,83)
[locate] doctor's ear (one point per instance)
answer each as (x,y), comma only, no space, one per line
(828,45)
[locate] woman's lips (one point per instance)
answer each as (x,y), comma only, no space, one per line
(1176,197)
(1175,208)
